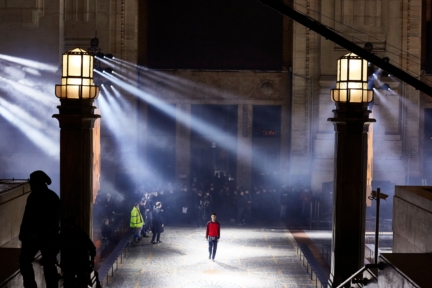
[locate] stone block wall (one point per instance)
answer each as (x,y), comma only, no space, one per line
(412,219)
(12,205)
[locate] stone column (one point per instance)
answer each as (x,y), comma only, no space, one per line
(351,123)
(76,118)
(183,144)
(244,145)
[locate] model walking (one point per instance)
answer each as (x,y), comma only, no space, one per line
(212,236)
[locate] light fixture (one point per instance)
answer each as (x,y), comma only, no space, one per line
(99,69)
(77,76)
(108,70)
(385,86)
(109,56)
(100,55)
(352,81)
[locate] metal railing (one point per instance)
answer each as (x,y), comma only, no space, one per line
(354,279)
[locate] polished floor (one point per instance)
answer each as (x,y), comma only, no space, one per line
(247,256)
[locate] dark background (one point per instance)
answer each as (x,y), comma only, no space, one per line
(213,34)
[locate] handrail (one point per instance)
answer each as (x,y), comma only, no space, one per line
(399,272)
(380,266)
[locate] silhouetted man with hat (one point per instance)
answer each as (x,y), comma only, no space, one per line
(39,231)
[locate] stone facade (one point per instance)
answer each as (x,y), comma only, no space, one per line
(43,30)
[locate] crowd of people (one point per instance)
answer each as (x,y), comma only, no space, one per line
(195,203)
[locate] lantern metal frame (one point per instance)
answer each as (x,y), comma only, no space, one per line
(352,81)
(77,76)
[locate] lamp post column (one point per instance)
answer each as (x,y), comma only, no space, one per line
(76,119)
(351,123)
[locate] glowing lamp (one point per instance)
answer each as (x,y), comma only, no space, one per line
(77,76)
(352,81)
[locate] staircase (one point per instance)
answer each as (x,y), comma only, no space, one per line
(394,270)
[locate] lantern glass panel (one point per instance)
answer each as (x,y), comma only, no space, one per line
(87,64)
(355,70)
(74,66)
(365,65)
(343,64)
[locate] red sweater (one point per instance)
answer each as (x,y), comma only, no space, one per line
(213,229)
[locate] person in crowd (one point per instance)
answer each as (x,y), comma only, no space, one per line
(266,203)
(184,204)
(257,204)
(306,198)
(158,223)
(106,230)
(248,206)
(108,207)
(77,255)
(40,231)
(284,200)
(143,210)
(136,222)
(241,206)
(212,236)
(148,207)
(207,204)
(199,209)
(170,206)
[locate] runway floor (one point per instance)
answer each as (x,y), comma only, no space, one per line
(247,256)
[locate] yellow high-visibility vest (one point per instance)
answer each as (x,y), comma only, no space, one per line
(136,220)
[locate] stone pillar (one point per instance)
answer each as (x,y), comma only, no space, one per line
(351,123)
(244,145)
(76,118)
(183,144)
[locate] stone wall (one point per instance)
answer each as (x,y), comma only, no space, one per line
(12,205)
(412,219)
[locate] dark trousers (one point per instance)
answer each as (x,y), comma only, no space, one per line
(143,230)
(49,253)
(212,247)
(156,235)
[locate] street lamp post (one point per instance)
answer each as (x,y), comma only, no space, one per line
(76,120)
(351,123)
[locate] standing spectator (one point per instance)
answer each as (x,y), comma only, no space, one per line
(158,223)
(208,204)
(212,236)
(106,231)
(248,206)
(266,204)
(241,206)
(170,206)
(136,221)
(40,230)
(108,207)
(305,197)
(198,209)
(143,210)
(184,205)
(284,199)
(257,204)
(148,207)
